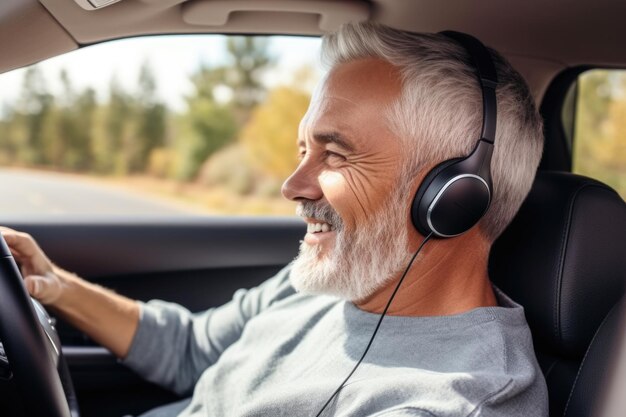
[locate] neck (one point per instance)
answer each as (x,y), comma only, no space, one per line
(449,276)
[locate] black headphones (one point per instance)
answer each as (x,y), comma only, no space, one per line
(456,193)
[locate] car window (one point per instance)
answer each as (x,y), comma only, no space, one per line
(599,134)
(164,125)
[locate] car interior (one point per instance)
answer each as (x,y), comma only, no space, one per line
(563,257)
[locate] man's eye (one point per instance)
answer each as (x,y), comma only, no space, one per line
(301,155)
(334,155)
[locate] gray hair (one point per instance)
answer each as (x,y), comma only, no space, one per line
(439,112)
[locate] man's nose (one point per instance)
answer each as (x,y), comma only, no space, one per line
(302,184)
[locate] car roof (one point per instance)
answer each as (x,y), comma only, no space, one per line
(540,38)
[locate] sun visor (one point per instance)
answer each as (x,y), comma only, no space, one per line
(328,15)
(124,18)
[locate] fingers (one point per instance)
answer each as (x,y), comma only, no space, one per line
(26,252)
(22,245)
(19,242)
(46,289)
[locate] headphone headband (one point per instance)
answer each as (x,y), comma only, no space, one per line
(456,193)
(487,77)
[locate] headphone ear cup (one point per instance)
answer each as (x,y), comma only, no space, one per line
(422,227)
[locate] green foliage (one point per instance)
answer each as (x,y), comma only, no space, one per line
(241,77)
(207,127)
(161,162)
(228,168)
(152,118)
(600,130)
(116,150)
(250,57)
(76,133)
(211,124)
(133,132)
(33,108)
(270,135)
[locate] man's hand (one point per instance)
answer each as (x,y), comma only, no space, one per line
(38,271)
(108,318)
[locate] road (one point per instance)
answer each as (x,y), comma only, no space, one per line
(26,193)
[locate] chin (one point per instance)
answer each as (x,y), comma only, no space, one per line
(357,263)
(342,272)
(314,272)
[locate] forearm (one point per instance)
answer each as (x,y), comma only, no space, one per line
(108,318)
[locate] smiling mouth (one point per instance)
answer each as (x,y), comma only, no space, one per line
(319,227)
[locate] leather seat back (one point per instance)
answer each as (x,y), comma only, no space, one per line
(563,258)
(596,366)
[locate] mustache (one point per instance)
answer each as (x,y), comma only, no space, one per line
(320,211)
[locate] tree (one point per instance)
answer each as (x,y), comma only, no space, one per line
(9,144)
(113,147)
(66,126)
(152,117)
(34,106)
(250,56)
(210,123)
(207,127)
(83,112)
(270,135)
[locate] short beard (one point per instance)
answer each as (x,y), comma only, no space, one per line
(362,261)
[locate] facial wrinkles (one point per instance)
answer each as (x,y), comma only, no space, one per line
(357,106)
(342,272)
(365,171)
(358,186)
(362,187)
(365,175)
(316,107)
(368,175)
(337,182)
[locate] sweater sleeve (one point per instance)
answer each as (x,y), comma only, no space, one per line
(172,346)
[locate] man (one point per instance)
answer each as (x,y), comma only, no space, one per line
(392,106)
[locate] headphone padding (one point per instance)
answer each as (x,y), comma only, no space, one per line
(424,229)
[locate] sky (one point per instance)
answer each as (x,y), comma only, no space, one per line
(173,59)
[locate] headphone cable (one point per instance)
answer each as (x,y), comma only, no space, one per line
(426,239)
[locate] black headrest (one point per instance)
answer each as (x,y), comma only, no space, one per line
(564,259)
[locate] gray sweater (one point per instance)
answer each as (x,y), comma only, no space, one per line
(273,352)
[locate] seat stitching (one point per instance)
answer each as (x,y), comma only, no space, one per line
(561,263)
(550,369)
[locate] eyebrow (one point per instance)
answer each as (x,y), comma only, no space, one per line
(331,137)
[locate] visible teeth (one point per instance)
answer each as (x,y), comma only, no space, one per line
(318,227)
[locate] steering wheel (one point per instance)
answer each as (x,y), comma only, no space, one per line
(32,346)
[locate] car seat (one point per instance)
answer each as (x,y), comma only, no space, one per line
(563,259)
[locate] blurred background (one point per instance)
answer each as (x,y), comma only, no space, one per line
(599,136)
(208,122)
(201,124)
